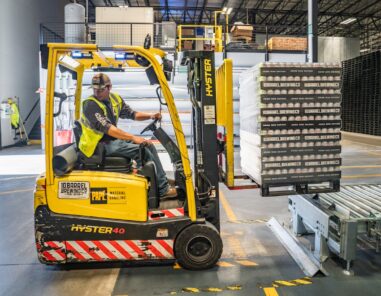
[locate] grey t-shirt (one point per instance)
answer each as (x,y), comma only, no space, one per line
(98,121)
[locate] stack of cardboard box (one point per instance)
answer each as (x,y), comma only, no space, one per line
(242,32)
(290,120)
(287,43)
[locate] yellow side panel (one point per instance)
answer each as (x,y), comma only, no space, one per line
(99,194)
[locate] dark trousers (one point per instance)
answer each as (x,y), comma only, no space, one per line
(129,149)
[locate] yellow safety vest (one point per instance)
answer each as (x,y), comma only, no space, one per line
(91,137)
(15,116)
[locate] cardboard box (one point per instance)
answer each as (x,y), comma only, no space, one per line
(187,45)
(186,32)
(242,31)
(287,43)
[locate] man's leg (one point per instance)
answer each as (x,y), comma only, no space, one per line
(131,150)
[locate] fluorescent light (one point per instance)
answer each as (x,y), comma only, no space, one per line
(227,10)
(364,49)
(348,21)
(123,6)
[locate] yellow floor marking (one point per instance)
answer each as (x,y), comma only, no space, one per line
(229,212)
(234,288)
(234,241)
(361,176)
(361,167)
(270,291)
(191,290)
(34,142)
(284,283)
(247,263)
(302,282)
(213,289)
(16,191)
(176,266)
(224,264)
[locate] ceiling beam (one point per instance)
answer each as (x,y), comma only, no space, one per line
(185,11)
(205,4)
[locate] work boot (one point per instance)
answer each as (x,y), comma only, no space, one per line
(171,182)
(171,192)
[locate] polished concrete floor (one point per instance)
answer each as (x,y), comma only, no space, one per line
(252,260)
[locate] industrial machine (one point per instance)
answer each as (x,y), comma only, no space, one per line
(100,208)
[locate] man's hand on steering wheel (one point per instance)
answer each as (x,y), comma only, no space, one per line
(155,116)
(140,140)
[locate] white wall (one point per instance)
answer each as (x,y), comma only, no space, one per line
(19,49)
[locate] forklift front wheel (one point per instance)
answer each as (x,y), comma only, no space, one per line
(198,247)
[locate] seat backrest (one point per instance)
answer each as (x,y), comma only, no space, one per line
(77,129)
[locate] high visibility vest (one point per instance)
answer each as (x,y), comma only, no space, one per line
(15,116)
(90,137)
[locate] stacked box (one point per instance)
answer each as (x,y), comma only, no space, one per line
(287,43)
(362,94)
(290,120)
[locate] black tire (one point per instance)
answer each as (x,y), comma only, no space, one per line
(198,247)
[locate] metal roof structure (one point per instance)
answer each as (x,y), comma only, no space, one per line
(362,17)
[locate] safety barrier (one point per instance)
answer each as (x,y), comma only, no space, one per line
(199,37)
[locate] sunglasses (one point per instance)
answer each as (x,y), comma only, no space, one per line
(102,89)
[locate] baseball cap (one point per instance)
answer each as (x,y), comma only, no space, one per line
(100,81)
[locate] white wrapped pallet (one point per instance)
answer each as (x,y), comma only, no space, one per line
(290,120)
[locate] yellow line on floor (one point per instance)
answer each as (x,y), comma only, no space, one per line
(270,291)
(224,264)
(361,176)
(361,166)
(229,212)
(234,241)
(247,263)
(284,283)
(16,191)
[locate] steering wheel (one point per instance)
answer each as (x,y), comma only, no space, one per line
(150,127)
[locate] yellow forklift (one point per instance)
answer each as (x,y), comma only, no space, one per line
(101,209)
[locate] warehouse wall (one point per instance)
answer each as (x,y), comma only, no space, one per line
(337,49)
(19,49)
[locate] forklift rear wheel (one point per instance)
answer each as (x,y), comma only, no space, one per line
(198,247)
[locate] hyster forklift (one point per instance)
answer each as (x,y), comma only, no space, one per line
(101,208)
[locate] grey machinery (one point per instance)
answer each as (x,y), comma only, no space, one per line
(338,220)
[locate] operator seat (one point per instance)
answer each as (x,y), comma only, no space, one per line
(98,161)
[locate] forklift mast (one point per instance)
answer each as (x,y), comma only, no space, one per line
(202,90)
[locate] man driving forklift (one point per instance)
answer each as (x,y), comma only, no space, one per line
(99,121)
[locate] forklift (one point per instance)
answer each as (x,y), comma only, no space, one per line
(101,209)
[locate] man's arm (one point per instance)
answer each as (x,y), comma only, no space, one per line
(101,123)
(140,116)
(115,132)
(127,112)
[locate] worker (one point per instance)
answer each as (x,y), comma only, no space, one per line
(15,114)
(99,121)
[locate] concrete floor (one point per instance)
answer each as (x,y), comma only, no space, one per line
(252,258)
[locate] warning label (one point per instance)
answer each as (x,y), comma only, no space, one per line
(75,190)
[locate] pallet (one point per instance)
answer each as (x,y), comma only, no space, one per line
(300,188)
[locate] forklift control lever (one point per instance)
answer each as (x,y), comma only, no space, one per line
(150,127)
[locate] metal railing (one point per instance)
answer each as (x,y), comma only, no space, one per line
(163,35)
(199,37)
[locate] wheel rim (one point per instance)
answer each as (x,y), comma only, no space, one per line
(199,248)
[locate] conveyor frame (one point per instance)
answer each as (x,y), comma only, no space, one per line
(338,219)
